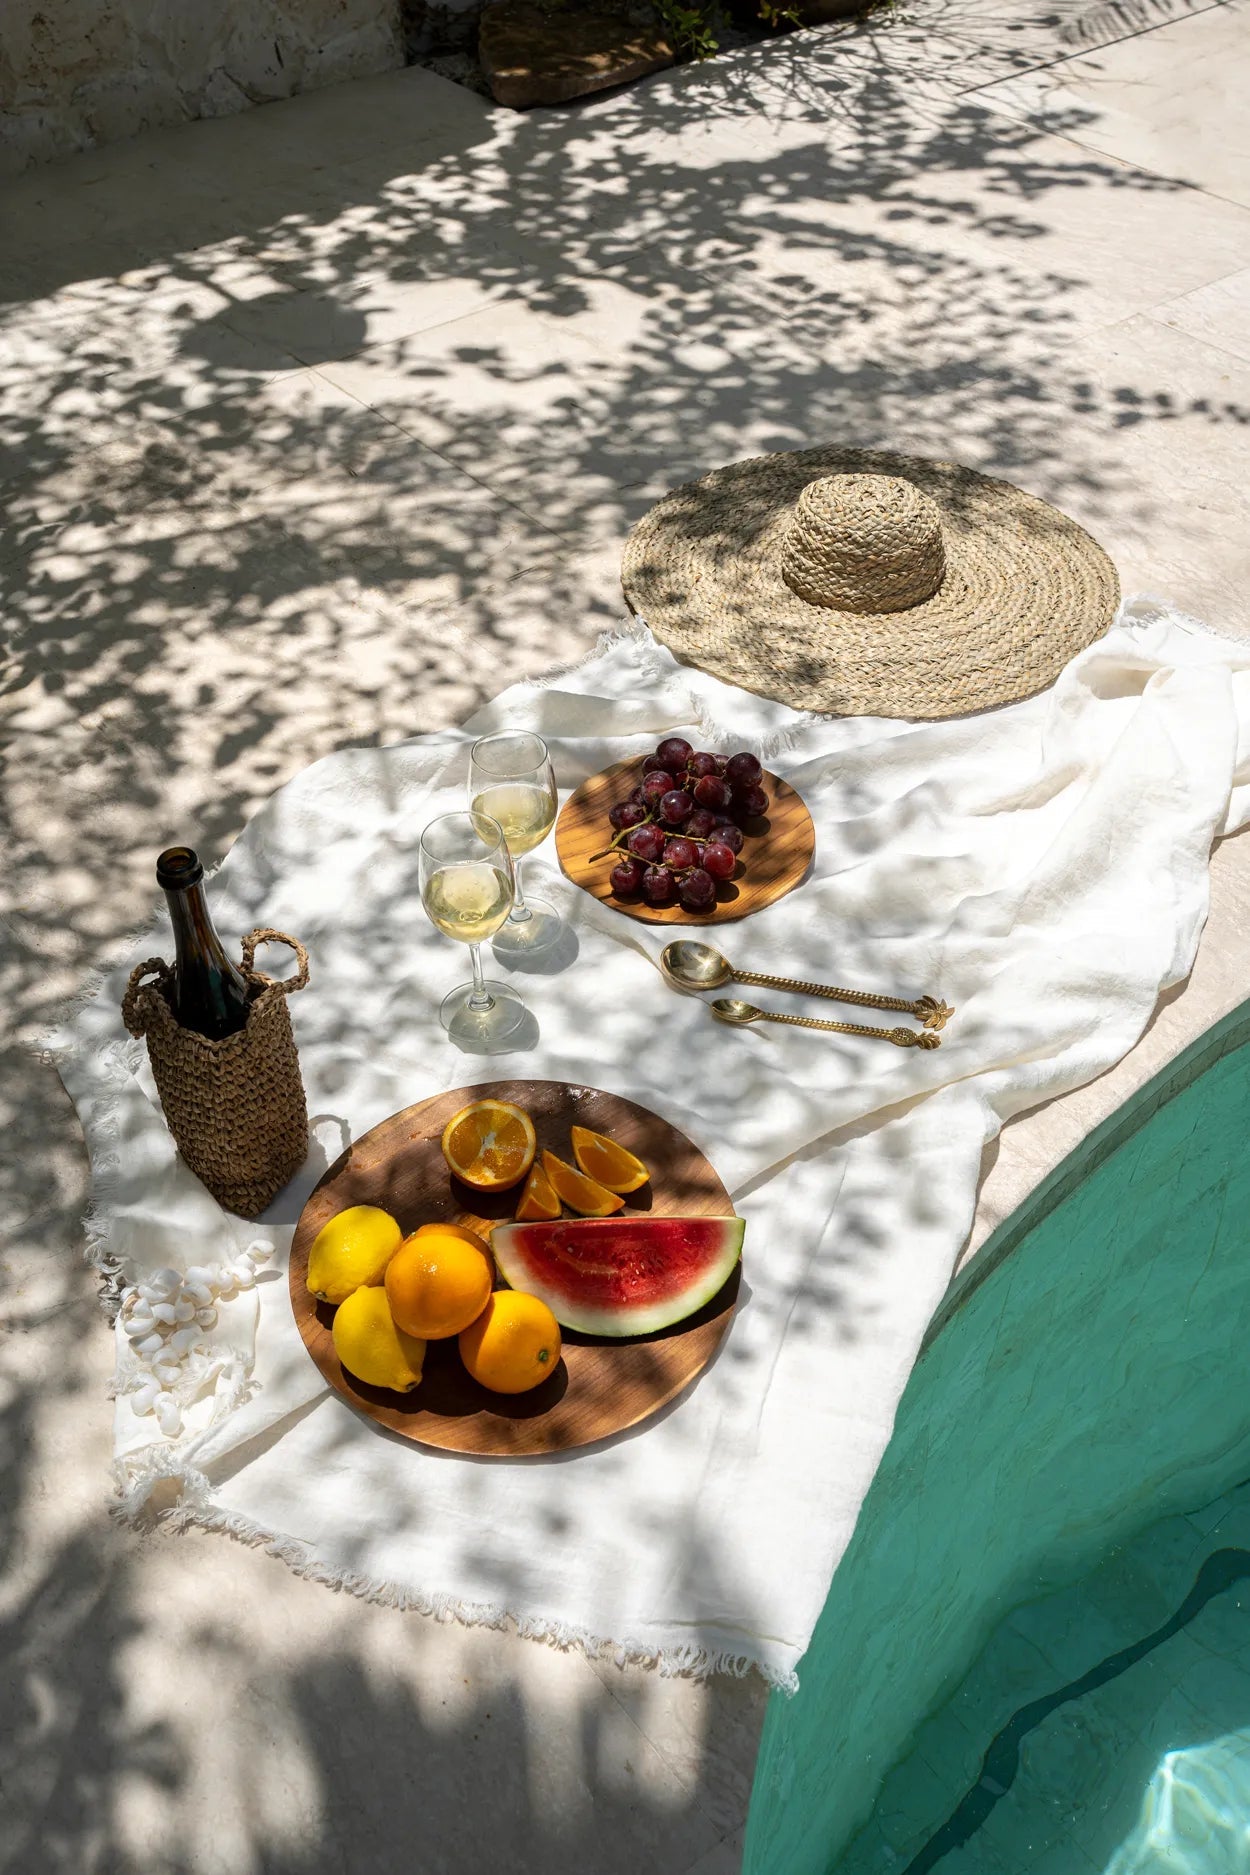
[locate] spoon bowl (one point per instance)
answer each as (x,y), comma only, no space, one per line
(731,1009)
(691,966)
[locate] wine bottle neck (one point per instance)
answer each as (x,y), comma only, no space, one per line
(195,935)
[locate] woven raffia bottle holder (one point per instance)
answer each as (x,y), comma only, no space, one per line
(236,1107)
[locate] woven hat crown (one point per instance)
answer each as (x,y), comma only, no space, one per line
(864,543)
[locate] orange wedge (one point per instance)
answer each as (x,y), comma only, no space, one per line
(490,1144)
(602,1159)
(581,1194)
(539,1199)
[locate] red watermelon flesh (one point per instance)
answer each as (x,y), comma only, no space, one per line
(620,1276)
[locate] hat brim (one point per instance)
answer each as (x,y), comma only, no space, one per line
(1025,589)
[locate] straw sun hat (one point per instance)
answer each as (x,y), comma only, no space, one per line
(859,583)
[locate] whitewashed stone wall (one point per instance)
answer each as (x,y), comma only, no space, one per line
(78,72)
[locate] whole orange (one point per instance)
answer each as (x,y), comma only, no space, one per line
(438,1281)
(513,1345)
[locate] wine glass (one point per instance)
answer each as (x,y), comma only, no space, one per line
(510,779)
(467,887)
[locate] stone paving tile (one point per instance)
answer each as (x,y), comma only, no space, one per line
(1218,314)
(1134,99)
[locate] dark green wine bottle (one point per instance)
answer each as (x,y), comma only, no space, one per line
(207,992)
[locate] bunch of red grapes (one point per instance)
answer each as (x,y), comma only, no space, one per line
(682,828)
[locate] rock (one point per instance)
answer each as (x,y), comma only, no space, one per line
(533,53)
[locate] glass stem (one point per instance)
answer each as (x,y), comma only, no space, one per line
(520,913)
(481,997)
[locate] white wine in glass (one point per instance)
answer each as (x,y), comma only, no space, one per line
(467,889)
(511,779)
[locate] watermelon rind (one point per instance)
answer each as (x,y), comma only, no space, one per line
(542,1259)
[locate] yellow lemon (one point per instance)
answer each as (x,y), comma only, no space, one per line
(371,1347)
(352,1250)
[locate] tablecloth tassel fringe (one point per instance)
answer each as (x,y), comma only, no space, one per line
(196,1507)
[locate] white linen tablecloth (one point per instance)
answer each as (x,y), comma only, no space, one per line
(1043,867)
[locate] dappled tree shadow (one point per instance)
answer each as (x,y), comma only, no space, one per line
(319,427)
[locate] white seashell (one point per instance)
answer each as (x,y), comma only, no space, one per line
(207,1318)
(137,1326)
(143,1398)
(198,1293)
(165,1312)
(151,1344)
(184,1339)
(166,1281)
(168,1414)
(260,1250)
(198,1273)
(227,1286)
(184,1310)
(244,1276)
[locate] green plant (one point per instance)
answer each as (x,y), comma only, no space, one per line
(776,15)
(691,26)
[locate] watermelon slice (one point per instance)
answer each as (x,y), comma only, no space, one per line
(620,1276)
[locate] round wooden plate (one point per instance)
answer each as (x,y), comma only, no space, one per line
(600,1386)
(778,851)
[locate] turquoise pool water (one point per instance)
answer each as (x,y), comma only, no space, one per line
(1128,1752)
(1034,1657)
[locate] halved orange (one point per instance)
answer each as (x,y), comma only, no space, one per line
(581,1194)
(539,1199)
(490,1144)
(602,1159)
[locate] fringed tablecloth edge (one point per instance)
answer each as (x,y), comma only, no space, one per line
(196,1508)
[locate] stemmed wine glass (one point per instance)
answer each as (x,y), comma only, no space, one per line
(467,889)
(510,778)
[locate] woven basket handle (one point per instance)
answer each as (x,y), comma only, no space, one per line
(266,936)
(135,1001)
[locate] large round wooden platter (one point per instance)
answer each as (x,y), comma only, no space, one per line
(775,858)
(600,1386)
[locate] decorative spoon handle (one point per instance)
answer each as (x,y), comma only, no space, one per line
(902,1038)
(926,1009)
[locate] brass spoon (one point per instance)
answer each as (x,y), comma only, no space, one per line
(691,966)
(729,1009)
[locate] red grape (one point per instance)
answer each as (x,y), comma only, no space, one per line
(718,859)
(627,878)
(657,784)
(753,803)
(657,885)
(675,752)
(636,797)
(730,836)
(723,820)
(650,763)
(700,824)
(743,770)
(646,843)
(702,764)
(698,890)
(711,791)
(628,814)
(675,806)
(680,855)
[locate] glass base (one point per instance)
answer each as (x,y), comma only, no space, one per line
(487,1029)
(521,937)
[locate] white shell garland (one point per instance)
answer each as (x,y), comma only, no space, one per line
(165,1319)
